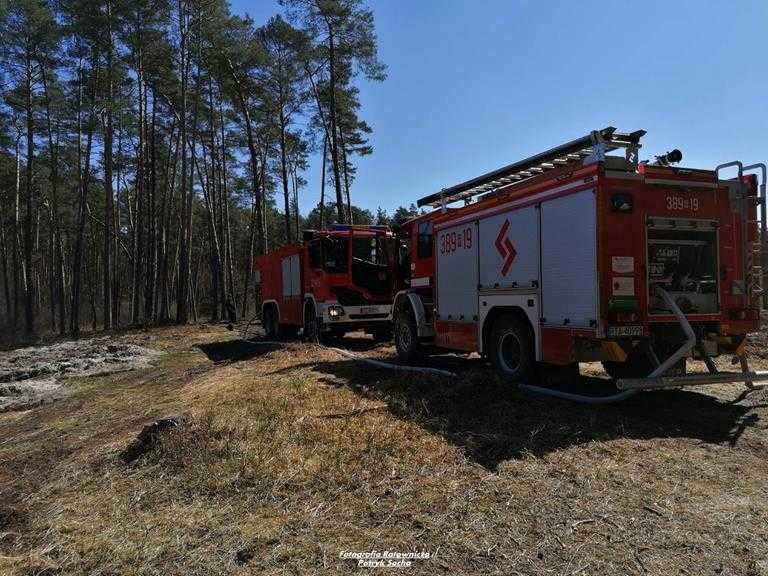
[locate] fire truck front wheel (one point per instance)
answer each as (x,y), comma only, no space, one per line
(511,348)
(311,324)
(271,323)
(407,336)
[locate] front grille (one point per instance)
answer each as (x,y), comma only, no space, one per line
(367,316)
(347,297)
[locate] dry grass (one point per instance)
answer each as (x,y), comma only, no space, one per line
(290,456)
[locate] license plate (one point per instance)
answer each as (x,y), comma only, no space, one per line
(368,310)
(625,331)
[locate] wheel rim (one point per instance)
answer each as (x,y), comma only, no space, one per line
(404,336)
(510,352)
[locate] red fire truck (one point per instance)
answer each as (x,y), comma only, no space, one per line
(338,280)
(577,255)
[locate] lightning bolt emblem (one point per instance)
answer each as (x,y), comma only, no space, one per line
(505,248)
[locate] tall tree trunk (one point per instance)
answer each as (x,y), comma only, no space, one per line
(284,174)
(92,272)
(346,177)
(117,284)
(188,212)
(57,257)
(322,183)
(213,244)
(296,215)
(249,265)
(225,200)
(334,123)
(138,221)
(29,301)
(254,157)
(185,233)
(217,277)
(5,229)
(6,272)
(36,279)
(19,279)
(215,210)
(165,217)
(83,177)
(51,266)
(108,192)
(150,274)
(321,113)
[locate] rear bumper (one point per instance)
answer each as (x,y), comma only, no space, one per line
(659,378)
(660,382)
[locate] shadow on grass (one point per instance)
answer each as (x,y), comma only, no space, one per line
(235,350)
(493,422)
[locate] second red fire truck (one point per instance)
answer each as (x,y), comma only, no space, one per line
(335,281)
(575,255)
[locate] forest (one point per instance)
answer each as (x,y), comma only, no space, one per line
(151,149)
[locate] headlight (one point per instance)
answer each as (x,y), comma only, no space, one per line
(335,312)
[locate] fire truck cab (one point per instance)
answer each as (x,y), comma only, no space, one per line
(575,255)
(336,281)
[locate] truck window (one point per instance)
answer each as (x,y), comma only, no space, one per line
(335,255)
(370,249)
(424,240)
(315,251)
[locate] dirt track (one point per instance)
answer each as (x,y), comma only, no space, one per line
(292,455)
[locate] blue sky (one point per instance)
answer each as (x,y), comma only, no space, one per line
(476,85)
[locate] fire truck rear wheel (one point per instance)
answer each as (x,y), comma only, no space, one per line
(407,337)
(511,348)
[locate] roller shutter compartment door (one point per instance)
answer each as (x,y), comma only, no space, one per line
(457,273)
(569,261)
(291,276)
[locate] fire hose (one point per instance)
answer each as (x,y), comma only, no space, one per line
(351,356)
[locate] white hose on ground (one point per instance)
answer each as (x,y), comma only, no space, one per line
(580,398)
(356,358)
(380,364)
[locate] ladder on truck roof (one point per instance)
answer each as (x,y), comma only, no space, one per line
(596,142)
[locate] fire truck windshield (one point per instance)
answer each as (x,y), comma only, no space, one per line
(370,249)
(335,255)
(370,263)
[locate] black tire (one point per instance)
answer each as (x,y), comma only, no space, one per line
(271,323)
(406,334)
(511,348)
(382,334)
(637,365)
(311,330)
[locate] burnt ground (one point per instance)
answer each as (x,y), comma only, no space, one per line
(36,375)
(278,459)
